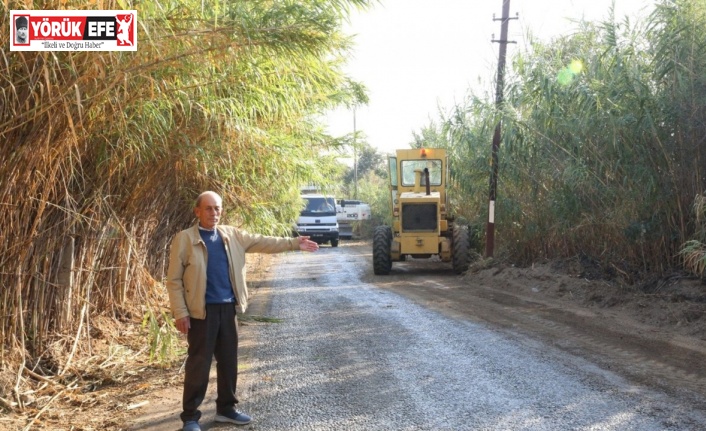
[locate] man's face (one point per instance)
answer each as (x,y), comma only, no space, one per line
(22,33)
(209,211)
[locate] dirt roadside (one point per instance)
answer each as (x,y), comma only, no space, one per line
(653,336)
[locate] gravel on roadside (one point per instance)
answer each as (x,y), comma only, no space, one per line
(348,355)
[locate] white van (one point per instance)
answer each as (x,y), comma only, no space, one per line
(317,219)
(349,211)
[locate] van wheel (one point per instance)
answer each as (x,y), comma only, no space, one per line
(334,243)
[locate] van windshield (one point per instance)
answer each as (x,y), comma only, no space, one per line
(319,206)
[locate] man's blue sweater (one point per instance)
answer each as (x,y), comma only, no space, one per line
(218,286)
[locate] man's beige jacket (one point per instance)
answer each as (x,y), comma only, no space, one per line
(186,276)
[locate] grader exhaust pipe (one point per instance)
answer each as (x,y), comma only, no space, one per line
(426,179)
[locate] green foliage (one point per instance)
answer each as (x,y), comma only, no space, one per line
(162,337)
(372,186)
(367,159)
(693,252)
(602,145)
(694,255)
(375,191)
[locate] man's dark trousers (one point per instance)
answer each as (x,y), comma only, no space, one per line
(217,335)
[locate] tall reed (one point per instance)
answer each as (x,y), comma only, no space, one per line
(603,145)
(102,155)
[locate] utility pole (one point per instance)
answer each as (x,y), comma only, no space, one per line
(490,229)
(355,160)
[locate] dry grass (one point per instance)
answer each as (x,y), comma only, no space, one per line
(101,156)
(107,380)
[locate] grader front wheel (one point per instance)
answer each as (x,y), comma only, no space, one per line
(382,244)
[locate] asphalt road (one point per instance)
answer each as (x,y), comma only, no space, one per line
(340,351)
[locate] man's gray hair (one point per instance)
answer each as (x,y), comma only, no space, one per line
(200,197)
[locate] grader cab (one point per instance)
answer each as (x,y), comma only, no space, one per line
(422,227)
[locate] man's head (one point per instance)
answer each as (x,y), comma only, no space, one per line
(21,27)
(208,209)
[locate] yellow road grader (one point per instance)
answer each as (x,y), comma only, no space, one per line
(422,227)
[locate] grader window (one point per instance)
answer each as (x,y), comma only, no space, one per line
(409,166)
(392,163)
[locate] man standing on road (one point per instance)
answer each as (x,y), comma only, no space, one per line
(206,284)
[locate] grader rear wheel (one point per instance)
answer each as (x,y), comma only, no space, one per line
(461,249)
(382,243)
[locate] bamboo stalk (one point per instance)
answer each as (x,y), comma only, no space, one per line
(77,337)
(16,389)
